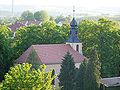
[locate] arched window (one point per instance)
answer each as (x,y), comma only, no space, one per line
(53,73)
(77,48)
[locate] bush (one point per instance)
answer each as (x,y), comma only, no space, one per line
(22,77)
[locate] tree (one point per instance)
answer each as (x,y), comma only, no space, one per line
(59,19)
(37,15)
(67,73)
(41,16)
(80,82)
(27,15)
(22,77)
(46,33)
(6,51)
(104,36)
(92,76)
(108,47)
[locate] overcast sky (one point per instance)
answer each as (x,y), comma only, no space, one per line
(86,3)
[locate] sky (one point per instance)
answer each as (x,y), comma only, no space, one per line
(84,3)
(64,6)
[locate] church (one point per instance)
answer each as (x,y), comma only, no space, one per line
(52,54)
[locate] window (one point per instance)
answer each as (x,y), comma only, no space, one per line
(77,48)
(53,73)
(75,32)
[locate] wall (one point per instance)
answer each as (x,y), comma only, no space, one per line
(57,67)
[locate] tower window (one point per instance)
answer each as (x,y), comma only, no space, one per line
(53,73)
(75,32)
(77,48)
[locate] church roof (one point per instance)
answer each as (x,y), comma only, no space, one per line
(73,36)
(51,53)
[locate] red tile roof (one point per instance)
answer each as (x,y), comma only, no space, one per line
(51,53)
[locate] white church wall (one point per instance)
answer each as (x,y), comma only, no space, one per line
(57,67)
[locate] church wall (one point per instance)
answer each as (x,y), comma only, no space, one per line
(57,67)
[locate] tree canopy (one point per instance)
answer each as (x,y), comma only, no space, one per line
(27,15)
(5,51)
(67,73)
(22,77)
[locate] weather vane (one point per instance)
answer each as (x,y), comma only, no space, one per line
(73,11)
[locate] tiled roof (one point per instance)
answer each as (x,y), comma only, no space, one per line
(19,24)
(51,53)
(15,26)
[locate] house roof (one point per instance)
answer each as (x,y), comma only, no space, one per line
(15,26)
(51,53)
(19,24)
(113,81)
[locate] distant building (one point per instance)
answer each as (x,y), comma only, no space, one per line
(19,24)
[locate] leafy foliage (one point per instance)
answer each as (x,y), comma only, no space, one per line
(47,33)
(33,59)
(21,77)
(104,36)
(41,16)
(5,51)
(92,75)
(80,82)
(67,73)
(27,15)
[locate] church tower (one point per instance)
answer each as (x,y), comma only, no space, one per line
(73,38)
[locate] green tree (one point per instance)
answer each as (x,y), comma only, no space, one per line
(41,16)
(27,15)
(6,51)
(108,47)
(37,15)
(46,33)
(59,18)
(67,73)
(92,76)
(80,82)
(104,36)
(22,77)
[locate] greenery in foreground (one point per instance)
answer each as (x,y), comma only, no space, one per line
(23,77)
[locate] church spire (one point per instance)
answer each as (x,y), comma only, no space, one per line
(73,30)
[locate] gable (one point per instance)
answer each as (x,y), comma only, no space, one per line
(51,53)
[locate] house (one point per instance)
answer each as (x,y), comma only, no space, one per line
(113,82)
(19,24)
(52,54)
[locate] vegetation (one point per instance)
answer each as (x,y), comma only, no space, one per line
(92,75)
(27,15)
(22,77)
(67,73)
(5,51)
(102,34)
(80,82)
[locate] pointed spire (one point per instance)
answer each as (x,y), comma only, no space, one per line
(73,22)
(73,30)
(73,11)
